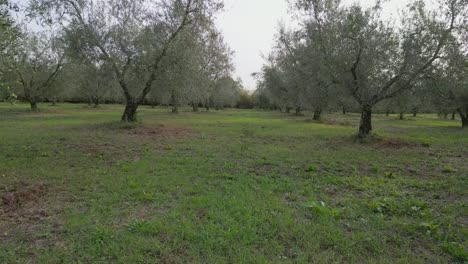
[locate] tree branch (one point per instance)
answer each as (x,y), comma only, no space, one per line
(155,67)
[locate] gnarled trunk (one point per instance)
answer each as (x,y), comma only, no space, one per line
(195,107)
(402,116)
(34,106)
(130,112)
(96,101)
(174,103)
(365,126)
(387,113)
(464,118)
(288,109)
(453,115)
(298,111)
(344,110)
(317,114)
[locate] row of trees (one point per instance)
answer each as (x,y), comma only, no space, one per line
(135,51)
(348,57)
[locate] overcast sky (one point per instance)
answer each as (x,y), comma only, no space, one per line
(249,27)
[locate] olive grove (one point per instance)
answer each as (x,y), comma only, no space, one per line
(145,43)
(341,56)
(348,51)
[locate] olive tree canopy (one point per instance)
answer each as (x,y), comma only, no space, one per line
(133,36)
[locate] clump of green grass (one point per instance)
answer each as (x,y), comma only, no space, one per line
(448,169)
(312,168)
(319,209)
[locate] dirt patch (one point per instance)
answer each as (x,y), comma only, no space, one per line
(335,122)
(378,143)
(202,213)
(160,131)
(107,152)
(117,141)
(23,211)
(393,144)
(138,130)
(96,149)
(15,200)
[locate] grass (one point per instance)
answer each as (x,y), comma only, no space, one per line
(235,186)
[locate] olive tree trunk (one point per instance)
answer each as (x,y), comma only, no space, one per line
(317,115)
(464,118)
(298,111)
(195,107)
(96,101)
(365,126)
(34,106)
(130,112)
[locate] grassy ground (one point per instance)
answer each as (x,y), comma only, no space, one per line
(231,186)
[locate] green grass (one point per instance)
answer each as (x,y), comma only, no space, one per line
(234,186)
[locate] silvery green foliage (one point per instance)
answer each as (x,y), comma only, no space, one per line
(225,92)
(376,59)
(447,82)
(133,36)
(8,30)
(86,81)
(8,36)
(199,58)
(310,82)
(6,94)
(272,81)
(36,65)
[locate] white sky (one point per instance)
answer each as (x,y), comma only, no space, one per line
(249,27)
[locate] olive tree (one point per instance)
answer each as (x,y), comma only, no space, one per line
(301,75)
(36,65)
(317,87)
(448,81)
(198,59)
(215,62)
(226,92)
(92,82)
(376,60)
(133,36)
(273,80)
